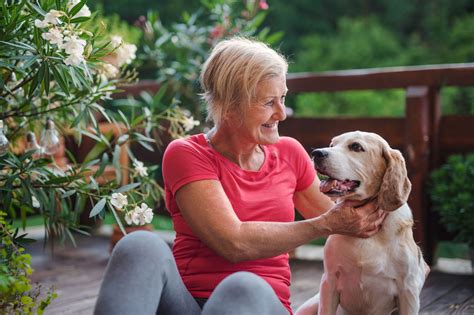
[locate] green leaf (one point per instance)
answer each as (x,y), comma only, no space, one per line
(19,45)
(58,76)
(146,146)
(78,118)
(68,193)
(103,164)
(98,208)
(77,8)
(98,148)
(80,19)
(46,81)
(116,164)
(127,188)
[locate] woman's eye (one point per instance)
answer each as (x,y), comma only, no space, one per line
(270,103)
(356,147)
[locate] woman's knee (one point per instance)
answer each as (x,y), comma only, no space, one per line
(141,244)
(244,293)
(244,281)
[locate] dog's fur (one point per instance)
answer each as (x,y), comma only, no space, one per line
(385,272)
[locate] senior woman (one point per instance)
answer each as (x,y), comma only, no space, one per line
(231,194)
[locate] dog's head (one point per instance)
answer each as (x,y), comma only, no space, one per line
(361,165)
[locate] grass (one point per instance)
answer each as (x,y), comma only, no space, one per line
(159,222)
(452,250)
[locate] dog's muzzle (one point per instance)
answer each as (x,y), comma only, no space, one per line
(318,156)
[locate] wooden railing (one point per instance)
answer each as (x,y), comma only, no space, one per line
(424,136)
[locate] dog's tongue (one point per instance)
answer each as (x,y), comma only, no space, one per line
(327,185)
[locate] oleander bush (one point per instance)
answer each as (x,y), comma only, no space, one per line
(57,69)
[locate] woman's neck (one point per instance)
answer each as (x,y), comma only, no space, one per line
(247,155)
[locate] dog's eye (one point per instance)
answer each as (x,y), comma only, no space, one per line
(356,147)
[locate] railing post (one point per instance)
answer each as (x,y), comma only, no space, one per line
(417,135)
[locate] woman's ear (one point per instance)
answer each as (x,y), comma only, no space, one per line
(396,186)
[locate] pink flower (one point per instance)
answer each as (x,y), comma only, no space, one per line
(217,32)
(263,5)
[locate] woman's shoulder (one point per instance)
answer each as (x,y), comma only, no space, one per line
(289,143)
(193,142)
(195,145)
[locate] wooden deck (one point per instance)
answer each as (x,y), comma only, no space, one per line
(76,274)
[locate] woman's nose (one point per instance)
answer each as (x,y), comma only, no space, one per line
(280,111)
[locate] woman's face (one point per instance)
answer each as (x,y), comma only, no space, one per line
(259,123)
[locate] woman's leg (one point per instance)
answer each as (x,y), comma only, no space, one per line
(142,278)
(244,293)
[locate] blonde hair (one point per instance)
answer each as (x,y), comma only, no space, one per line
(231,73)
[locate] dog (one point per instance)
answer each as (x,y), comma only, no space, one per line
(382,274)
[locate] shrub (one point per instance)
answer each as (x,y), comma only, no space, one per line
(451,191)
(17,295)
(175,53)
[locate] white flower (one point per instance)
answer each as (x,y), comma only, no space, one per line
(74,60)
(52,17)
(139,168)
(34,202)
(54,36)
(41,24)
(131,217)
(116,41)
(107,71)
(84,11)
(189,123)
(73,45)
(125,54)
(119,201)
(144,214)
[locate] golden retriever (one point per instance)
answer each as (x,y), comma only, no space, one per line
(386,272)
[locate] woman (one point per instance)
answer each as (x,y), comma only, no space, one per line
(232,194)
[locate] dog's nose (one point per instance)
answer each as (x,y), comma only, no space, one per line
(319,154)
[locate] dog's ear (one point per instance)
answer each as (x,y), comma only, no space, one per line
(395,186)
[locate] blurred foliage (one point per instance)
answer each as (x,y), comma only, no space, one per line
(359,103)
(170,10)
(451,190)
(113,24)
(17,295)
(174,53)
(341,34)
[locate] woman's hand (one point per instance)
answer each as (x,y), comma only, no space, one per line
(351,218)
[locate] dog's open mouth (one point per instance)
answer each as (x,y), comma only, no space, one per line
(336,187)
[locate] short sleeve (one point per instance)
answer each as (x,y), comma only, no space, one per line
(185,162)
(301,163)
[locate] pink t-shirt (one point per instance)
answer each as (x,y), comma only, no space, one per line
(263,195)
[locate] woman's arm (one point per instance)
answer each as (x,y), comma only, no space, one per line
(206,208)
(311,202)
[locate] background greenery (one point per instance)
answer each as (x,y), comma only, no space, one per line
(325,35)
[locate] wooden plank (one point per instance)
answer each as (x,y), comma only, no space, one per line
(318,132)
(305,280)
(466,308)
(436,286)
(417,139)
(457,134)
(382,78)
(460,297)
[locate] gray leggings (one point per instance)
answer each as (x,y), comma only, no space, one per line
(142,278)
